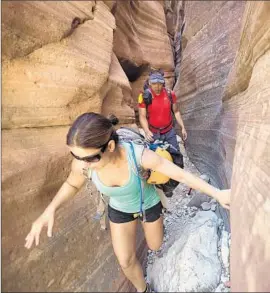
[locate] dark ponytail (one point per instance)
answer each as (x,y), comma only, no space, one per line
(92,130)
(114,120)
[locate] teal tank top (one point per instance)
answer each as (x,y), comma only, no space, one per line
(127,198)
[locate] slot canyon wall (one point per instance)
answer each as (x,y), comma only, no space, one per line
(60,59)
(224,92)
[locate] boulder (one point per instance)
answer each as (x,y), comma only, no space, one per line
(191,263)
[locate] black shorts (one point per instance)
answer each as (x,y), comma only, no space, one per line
(151,214)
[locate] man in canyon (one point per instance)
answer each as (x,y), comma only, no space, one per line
(157,109)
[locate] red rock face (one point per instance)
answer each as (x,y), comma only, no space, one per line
(52,81)
(247,105)
(61,59)
(206,62)
(223,91)
(141,34)
(52,74)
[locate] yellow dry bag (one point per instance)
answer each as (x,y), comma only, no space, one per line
(157,177)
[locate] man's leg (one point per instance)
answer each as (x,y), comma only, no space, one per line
(156,136)
(171,138)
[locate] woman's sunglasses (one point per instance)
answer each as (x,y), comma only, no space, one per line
(93,158)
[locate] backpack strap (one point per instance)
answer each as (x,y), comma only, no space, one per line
(169,94)
(142,210)
(147,97)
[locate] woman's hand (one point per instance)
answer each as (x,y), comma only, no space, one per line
(69,188)
(46,219)
(152,161)
(224,197)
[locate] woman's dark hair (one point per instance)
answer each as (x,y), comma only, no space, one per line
(92,130)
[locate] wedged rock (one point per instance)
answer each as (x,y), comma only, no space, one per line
(191,264)
(198,199)
(206,206)
(213,207)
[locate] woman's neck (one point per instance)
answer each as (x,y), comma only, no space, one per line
(116,159)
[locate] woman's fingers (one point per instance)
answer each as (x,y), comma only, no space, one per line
(33,236)
(50,227)
(223,196)
(29,241)
(37,239)
(226,205)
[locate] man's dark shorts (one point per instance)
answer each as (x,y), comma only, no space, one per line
(170,137)
(151,214)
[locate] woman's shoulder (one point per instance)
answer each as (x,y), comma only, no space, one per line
(135,149)
(137,146)
(79,167)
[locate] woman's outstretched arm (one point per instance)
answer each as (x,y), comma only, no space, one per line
(68,189)
(152,161)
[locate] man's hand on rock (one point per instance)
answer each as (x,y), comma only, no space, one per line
(184,134)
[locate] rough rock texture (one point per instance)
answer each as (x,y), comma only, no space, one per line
(61,59)
(59,80)
(249,111)
(194,253)
(223,93)
(212,31)
(174,11)
(141,34)
(250,183)
(141,37)
(191,263)
(118,97)
(25,24)
(79,256)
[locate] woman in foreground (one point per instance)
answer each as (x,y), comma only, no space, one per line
(94,144)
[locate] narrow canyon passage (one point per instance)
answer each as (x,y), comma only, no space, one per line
(63,58)
(194,256)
